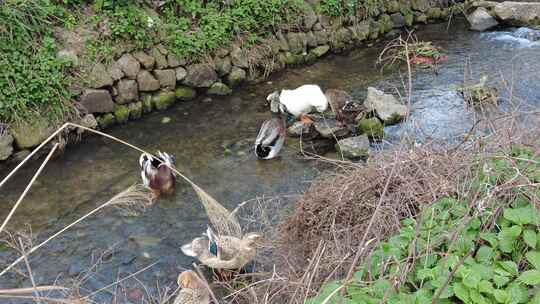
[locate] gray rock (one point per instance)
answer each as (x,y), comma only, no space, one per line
(392,6)
(166,78)
(99,77)
(360,31)
(20,155)
(236,76)
(322,37)
(30,134)
(420,18)
(310,18)
(161,59)
(317,27)
(222,52)
(6,145)
(128,91)
(129,65)
(386,106)
(354,148)
(518,13)
(239,57)
(223,65)
(69,55)
(147,103)
(200,76)
(311,39)
(116,72)
(163,100)
(481,20)
(284,45)
(89,121)
(297,42)
(146,60)
(181,73)
(173,61)
(219,88)
(420,5)
(97,101)
(135,110)
(398,20)
(328,128)
(299,129)
(320,50)
(147,82)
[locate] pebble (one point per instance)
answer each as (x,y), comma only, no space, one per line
(165,120)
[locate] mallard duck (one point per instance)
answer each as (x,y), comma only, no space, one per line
(299,102)
(193,289)
(223,252)
(156,173)
(342,104)
(270,138)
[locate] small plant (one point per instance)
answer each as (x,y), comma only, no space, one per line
(458,252)
(412,51)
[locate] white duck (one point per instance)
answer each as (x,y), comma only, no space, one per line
(299,102)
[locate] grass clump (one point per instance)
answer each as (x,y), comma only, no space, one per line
(482,250)
(34,81)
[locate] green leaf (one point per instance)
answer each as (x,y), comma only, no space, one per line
(489,237)
(530,277)
(461,292)
(381,287)
(509,266)
(484,254)
(520,216)
(501,281)
(423,296)
(517,293)
(484,271)
(529,236)
(534,258)
(500,295)
(476,297)
(536,298)
(472,279)
(513,231)
(485,287)
(507,238)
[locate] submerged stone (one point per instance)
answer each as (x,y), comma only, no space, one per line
(164,99)
(105,121)
(185,93)
(135,110)
(121,114)
(354,148)
(481,20)
(219,88)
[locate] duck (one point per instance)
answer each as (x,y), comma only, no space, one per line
(156,173)
(343,105)
(193,289)
(299,102)
(223,252)
(271,138)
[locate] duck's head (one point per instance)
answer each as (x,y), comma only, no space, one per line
(189,279)
(196,248)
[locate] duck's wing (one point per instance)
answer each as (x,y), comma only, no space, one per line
(269,133)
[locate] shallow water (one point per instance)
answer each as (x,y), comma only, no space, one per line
(212,143)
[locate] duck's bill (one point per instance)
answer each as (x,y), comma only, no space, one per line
(187,250)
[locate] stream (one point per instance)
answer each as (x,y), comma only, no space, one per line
(212,141)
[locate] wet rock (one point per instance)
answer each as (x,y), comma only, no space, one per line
(97,101)
(420,18)
(374,30)
(69,55)
(398,19)
(181,73)
(165,120)
(129,65)
(420,5)
(239,57)
(320,50)
(30,134)
(163,100)
(354,148)
(360,31)
(409,18)
(88,121)
(372,127)
(223,65)
(219,88)
(147,103)
(127,91)
(311,40)
(386,106)
(297,42)
(20,155)
(392,6)
(236,76)
(160,59)
(309,17)
(518,13)
(481,20)
(166,78)
(299,129)
(116,72)
(185,93)
(99,77)
(328,128)
(222,52)
(121,114)
(200,76)
(106,121)
(6,145)
(386,23)
(147,82)
(173,61)
(322,37)
(146,60)
(284,45)
(135,110)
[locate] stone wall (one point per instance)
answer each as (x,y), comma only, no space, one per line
(154,79)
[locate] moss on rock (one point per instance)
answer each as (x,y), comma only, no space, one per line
(121,113)
(372,127)
(135,110)
(164,99)
(185,93)
(105,121)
